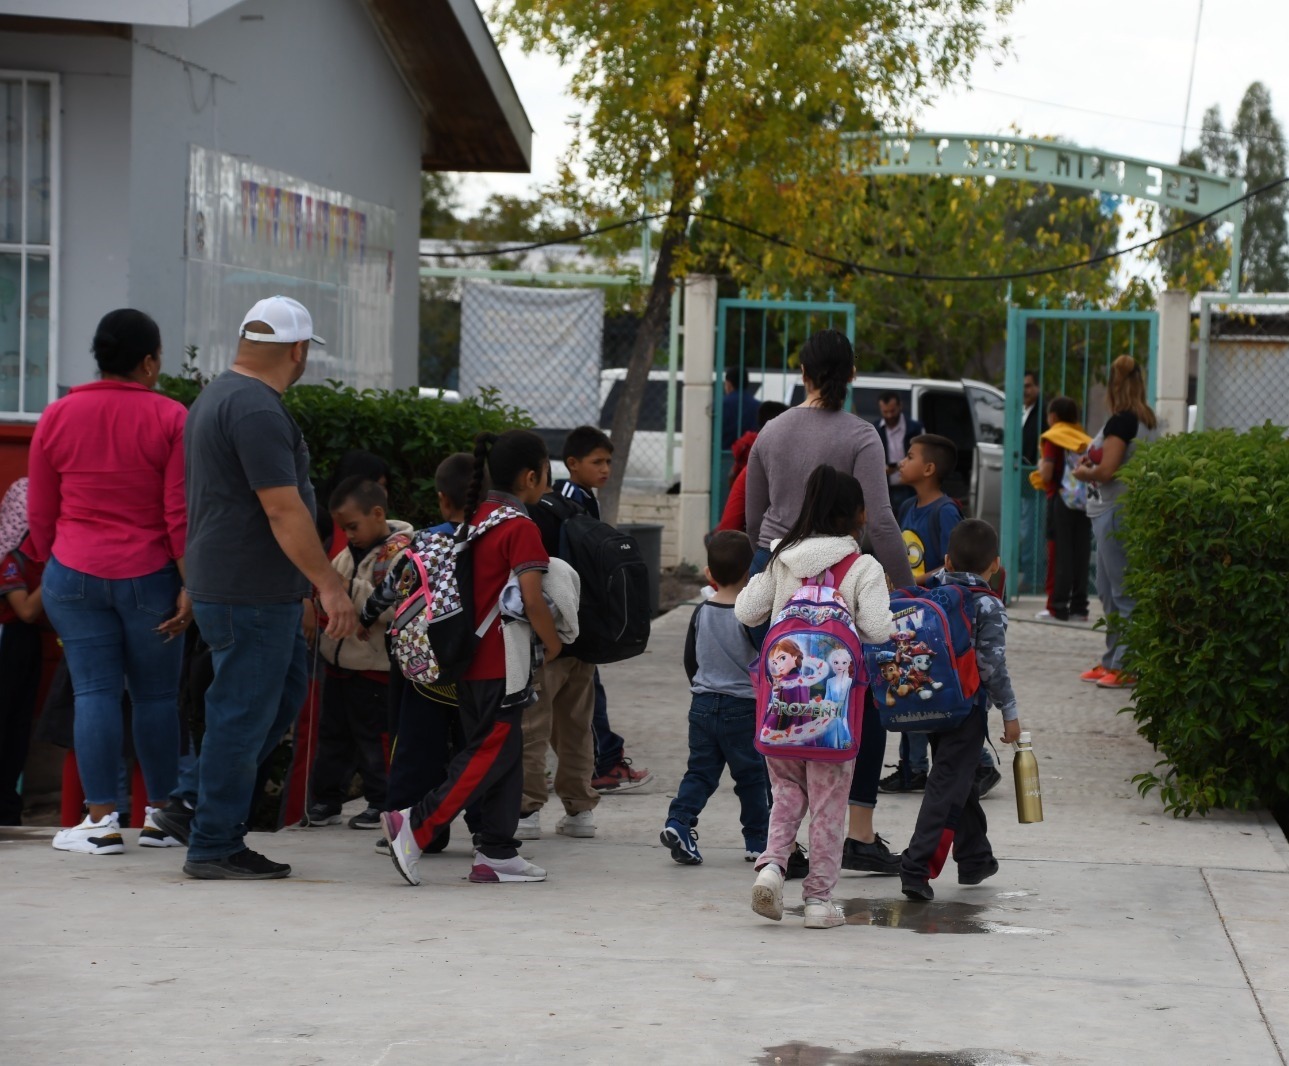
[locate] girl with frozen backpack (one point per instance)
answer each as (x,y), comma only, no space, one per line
(808,772)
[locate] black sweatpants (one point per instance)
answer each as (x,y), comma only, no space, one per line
(426,735)
(1072,531)
(20,664)
(872,750)
(950,815)
(351,732)
(488,771)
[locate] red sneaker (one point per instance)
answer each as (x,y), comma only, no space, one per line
(1094,675)
(621,779)
(1116,679)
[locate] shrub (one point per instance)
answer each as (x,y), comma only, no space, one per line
(411,434)
(1206,530)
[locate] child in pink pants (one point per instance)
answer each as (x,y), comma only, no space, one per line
(827,531)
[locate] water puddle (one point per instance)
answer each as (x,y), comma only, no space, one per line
(800,1054)
(937,916)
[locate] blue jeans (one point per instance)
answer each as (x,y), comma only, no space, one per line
(108,629)
(760,560)
(609,747)
(261,680)
(721,729)
(1112,564)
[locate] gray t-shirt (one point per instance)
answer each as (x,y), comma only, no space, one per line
(718,652)
(239,438)
(785,454)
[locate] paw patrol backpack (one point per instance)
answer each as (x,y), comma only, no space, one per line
(924,678)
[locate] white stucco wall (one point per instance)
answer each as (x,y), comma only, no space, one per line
(94,74)
(305,87)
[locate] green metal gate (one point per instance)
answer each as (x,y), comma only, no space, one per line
(1070,350)
(762,338)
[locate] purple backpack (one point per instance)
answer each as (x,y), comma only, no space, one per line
(809,679)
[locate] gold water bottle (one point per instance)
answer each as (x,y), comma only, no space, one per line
(1029,796)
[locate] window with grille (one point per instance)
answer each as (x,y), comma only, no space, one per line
(28,242)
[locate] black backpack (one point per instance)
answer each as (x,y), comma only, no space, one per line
(613,616)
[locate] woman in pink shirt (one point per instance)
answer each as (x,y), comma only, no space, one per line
(105,503)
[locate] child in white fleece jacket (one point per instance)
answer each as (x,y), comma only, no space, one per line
(826,532)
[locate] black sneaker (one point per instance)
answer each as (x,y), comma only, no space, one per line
(919,890)
(902,780)
(874,858)
(245,865)
(368,819)
(986,778)
(798,864)
(974,875)
(321,814)
(175,820)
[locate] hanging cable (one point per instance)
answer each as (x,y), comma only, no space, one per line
(861,268)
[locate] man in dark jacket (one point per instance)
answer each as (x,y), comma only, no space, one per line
(896,431)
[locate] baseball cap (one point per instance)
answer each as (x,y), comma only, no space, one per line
(288,318)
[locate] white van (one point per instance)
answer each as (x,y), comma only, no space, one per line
(970,413)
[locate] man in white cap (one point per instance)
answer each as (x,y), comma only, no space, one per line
(252,554)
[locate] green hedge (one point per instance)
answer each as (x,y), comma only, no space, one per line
(1206,529)
(411,434)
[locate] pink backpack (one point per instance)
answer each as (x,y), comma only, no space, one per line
(810,680)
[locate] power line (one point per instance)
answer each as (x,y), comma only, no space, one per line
(861,268)
(1116,115)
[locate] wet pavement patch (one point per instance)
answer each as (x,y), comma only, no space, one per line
(800,1054)
(936,916)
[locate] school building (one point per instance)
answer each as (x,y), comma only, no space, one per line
(187,157)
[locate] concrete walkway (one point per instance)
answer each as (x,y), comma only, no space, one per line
(1113,934)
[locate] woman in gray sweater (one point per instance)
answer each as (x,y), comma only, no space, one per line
(786,451)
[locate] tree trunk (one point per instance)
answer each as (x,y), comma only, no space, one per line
(652,328)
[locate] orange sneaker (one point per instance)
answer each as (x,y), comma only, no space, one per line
(1116,679)
(1094,675)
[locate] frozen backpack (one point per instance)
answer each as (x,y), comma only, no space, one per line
(809,679)
(433,636)
(925,678)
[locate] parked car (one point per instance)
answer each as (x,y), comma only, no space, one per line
(647,469)
(970,413)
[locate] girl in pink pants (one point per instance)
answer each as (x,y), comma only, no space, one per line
(827,531)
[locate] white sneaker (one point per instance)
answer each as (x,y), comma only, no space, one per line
(493,871)
(1044,615)
(824,914)
(530,828)
(153,836)
(767,893)
(93,838)
(580,824)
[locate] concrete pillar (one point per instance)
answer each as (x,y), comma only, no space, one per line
(696,466)
(1174,360)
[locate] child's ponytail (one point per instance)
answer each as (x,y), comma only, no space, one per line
(832,500)
(482,446)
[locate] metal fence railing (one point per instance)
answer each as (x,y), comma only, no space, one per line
(1243,372)
(556,345)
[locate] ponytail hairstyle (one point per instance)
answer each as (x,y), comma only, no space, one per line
(1126,390)
(503,457)
(828,360)
(832,501)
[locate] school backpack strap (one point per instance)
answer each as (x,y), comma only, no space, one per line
(835,574)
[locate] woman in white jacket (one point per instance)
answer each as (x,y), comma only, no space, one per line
(826,532)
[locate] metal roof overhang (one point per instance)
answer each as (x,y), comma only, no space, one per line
(471,115)
(473,119)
